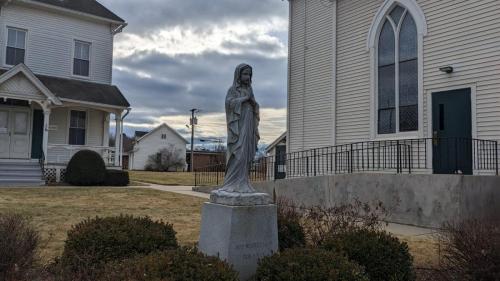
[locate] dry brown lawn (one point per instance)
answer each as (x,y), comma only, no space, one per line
(165,178)
(425,250)
(54,210)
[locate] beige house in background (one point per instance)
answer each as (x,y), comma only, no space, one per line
(56,96)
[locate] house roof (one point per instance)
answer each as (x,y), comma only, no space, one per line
(276,142)
(139,134)
(77,90)
(128,143)
(159,127)
(91,7)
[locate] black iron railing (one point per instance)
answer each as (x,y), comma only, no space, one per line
(426,155)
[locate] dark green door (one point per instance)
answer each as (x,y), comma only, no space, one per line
(280,162)
(37,138)
(452,132)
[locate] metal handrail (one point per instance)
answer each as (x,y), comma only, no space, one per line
(427,155)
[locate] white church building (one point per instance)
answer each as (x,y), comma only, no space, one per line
(409,85)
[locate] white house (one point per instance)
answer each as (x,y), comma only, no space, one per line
(149,144)
(420,77)
(56,96)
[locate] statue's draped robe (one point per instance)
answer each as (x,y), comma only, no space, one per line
(243,135)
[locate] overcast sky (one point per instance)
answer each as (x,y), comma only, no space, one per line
(180,54)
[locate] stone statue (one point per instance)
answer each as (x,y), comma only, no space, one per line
(242,116)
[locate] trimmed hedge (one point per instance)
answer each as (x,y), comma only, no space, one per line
(301,264)
(174,265)
(94,242)
(86,168)
(383,256)
(117,178)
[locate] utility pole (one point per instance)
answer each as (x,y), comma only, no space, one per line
(193,122)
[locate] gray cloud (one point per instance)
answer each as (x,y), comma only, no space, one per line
(180,83)
(145,16)
(159,84)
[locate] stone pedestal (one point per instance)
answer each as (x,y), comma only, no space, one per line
(239,235)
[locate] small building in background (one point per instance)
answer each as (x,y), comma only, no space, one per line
(203,159)
(277,146)
(277,150)
(150,143)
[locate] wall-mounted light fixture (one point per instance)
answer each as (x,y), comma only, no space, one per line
(446,69)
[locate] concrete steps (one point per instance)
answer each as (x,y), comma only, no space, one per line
(16,173)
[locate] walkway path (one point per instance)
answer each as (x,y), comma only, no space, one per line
(186,190)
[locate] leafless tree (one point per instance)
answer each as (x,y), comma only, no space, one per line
(166,159)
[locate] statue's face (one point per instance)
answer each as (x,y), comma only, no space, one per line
(246,76)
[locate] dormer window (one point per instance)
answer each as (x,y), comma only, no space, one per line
(81,60)
(16,46)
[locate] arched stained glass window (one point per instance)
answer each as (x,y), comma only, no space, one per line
(398,73)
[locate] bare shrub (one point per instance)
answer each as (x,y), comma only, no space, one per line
(18,247)
(471,250)
(321,223)
(291,233)
(166,159)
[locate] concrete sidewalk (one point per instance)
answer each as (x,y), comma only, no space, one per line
(186,190)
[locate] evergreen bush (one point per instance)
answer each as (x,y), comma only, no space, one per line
(95,242)
(117,178)
(301,264)
(86,168)
(173,265)
(383,256)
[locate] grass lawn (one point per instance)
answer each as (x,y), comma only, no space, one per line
(55,210)
(165,178)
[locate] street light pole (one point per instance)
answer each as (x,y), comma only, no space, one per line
(193,122)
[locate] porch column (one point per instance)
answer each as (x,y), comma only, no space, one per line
(118,139)
(45,140)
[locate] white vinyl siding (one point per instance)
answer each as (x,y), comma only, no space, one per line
(51,40)
(310,94)
(354,18)
(462,34)
(152,143)
(59,118)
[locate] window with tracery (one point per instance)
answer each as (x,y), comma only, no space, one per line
(398,73)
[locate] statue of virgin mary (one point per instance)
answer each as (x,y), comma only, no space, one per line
(242,116)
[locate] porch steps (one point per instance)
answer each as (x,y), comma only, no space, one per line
(20,174)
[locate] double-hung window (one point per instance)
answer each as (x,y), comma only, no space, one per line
(16,46)
(398,73)
(81,59)
(77,127)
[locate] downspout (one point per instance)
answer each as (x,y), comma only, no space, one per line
(120,148)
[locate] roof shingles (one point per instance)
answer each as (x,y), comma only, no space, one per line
(82,90)
(91,7)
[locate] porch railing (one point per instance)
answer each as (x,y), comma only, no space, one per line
(424,156)
(61,153)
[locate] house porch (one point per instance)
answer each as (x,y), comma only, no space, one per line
(36,125)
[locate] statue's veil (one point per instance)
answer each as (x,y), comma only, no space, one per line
(237,74)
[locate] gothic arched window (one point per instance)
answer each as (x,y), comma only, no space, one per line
(398,73)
